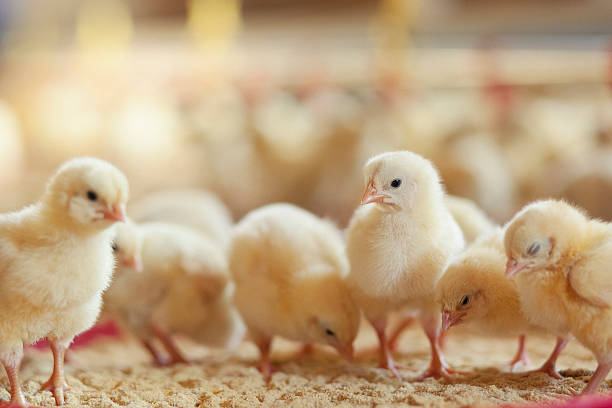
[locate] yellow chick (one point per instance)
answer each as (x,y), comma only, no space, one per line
(560,261)
(184,289)
(471,219)
(196,209)
(398,243)
(55,262)
(475,292)
(289,268)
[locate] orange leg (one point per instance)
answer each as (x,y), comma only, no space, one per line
(437,367)
(57,382)
(521,358)
(598,376)
(549,366)
(12,371)
(265,366)
(176,356)
(159,359)
(385,357)
(397,333)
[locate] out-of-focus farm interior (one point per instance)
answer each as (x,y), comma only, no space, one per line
(269,100)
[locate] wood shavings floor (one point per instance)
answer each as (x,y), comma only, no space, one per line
(118,374)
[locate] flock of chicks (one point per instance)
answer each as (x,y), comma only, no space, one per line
(182,267)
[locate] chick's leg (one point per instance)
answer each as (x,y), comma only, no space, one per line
(57,382)
(265,366)
(176,356)
(598,376)
(437,367)
(549,366)
(11,362)
(521,358)
(397,333)
(158,358)
(385,357)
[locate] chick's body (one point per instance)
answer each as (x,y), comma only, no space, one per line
(289,268)
(55,262)
(560,260)
(399,246)
(471,219)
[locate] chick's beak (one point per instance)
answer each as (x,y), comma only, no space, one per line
(513,267)
(450,319)
(133,262)
(115,213)
(345,351)
(370,195)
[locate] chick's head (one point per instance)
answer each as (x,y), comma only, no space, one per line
(540,234)
(467,287)
(395,180)
(89,192)
(331,316)
(127,246)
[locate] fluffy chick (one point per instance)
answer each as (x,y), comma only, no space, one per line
(471,219)
(289,268)
(559,259)
(398,243)
(184,289)
(475,292)
(55,262)
(196,209)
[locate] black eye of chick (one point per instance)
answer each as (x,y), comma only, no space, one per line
(114,246)
(396,183)
(92,196)
(330,333)
(465,301)
(533,248)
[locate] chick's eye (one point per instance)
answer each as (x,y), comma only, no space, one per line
(396,183)
(92,196)
(114,246)
(533,248)
(330,333)
(465,300)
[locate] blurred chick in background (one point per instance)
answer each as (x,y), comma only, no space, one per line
(472,220)
(183,288)
(560,261)
(398,243)
(289,268)
(55,262)
(196,209)
(474,291)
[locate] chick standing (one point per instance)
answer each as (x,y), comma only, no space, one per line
(183,288)
(475,292)
(471,219)
(289,268)
(398,243)
(55,262)
(560,261)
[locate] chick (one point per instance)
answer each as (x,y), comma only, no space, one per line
(197,209)
(559,259)
(398,243)
(474,291)
(55,262)
(471,219)
(289,268)
(183,289)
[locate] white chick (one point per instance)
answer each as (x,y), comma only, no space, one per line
(398,243)
(183,289)
(55,262)
(289,268)
(474,291)
(196,209)
(560,261)
(471,219)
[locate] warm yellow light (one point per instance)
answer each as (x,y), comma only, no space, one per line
(11,146)
(104,25)
(214,22)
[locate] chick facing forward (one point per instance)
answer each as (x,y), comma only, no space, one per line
(560,259)
(475,292)
(398,243)
(55,262)
(289,268)
(183,288)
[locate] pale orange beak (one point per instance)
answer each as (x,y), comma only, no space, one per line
(133,262)
(116,213)
(513,267)
(346,351)
(370,195)
(449,319)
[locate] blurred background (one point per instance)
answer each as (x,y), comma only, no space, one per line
(271,100)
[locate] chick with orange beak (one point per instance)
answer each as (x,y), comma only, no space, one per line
(398,242)
(55,262)
(559,259)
